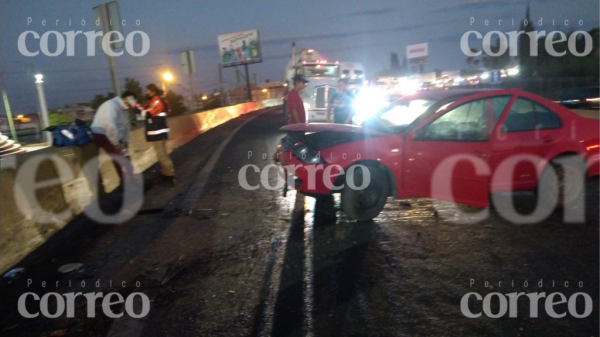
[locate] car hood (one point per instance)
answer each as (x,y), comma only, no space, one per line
(330,127)
(320,136)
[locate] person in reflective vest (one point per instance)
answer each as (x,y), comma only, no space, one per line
(157,130)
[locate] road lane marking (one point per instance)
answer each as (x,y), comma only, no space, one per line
(309,277)
(268,314)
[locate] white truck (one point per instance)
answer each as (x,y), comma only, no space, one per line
(322,76)
(354,72)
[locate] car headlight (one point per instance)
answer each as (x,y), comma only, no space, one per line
(307,155)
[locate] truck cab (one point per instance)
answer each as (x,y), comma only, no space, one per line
(354,73)
(322,76)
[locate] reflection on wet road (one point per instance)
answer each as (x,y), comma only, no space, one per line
(405,272)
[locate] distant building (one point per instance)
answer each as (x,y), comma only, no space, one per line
(82,111)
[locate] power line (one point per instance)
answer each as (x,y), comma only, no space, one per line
(76,70)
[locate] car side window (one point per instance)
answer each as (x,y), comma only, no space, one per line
(526,115)
(546,119)
(499,105)
(471,121)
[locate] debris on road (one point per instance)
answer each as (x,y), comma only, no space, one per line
(173,270)
(14,273)
(69,267)
(54,333)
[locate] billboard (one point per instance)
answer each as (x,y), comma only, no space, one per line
(417,53)
(240,48)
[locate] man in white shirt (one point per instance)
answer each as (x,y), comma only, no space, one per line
(110,131)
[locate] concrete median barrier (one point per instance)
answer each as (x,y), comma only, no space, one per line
(20,228)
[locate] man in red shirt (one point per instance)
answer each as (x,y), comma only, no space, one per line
(295,106)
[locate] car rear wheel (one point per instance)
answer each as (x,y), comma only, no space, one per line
(367,203)
(567,186)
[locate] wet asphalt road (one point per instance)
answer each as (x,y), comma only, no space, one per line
(218,260)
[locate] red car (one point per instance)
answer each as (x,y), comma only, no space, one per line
(456,145)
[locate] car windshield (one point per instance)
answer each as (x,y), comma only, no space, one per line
(404,111)
(321,70)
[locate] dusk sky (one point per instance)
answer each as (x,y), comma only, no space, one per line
(353,31)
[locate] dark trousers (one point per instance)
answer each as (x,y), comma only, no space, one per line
(124,171)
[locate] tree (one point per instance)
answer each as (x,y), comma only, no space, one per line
(472,61)
(569,65)
(99,99)
(135,87)
(176,103)
(212,103)
(497,62)
(57,118)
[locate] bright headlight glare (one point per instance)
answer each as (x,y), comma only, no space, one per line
(368,102)
(513,72)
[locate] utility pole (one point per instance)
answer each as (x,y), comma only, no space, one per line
(248,83)
(192,101)
(44,119)
(237,76)
(222,94)
(11,124)
(104,18)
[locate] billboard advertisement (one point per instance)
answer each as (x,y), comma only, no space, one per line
(240,48)
(417,53)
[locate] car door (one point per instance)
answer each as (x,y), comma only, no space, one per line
(527,128)
(461,133)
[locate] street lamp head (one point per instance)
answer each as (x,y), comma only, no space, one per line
(38,78)
(168,77)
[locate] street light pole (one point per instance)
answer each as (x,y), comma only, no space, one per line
(45,121)
(11,124)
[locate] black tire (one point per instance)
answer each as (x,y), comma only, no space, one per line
(553,189)
(366,204)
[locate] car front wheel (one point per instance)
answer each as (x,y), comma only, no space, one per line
(366,203)
(566,186)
